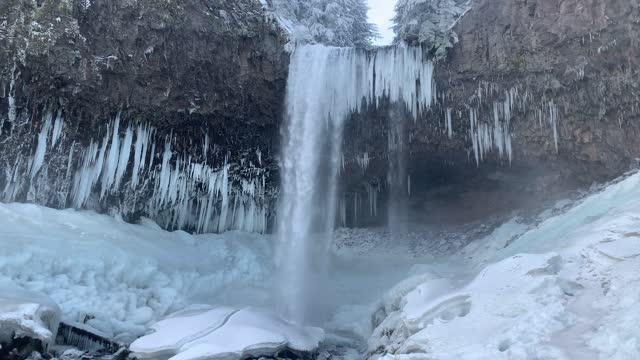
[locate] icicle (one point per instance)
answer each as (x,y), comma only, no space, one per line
(372,192)
(553,121)
(139,153)
(449,124)
(259,155)
(343,211)
(474,135)
(123,159)
(13,182)
(363,161)
(41,149)
(205,147)
(70,160)
(162,186)
(12,94)
(111,165)
(224,206)
(89,173)
(57,129)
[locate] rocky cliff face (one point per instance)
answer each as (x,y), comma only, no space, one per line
(536,97)
(195,85)
(541,97)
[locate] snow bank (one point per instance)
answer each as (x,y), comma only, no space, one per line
(565,289)
(26,314)
(514,306)
(224,333)
(116,277)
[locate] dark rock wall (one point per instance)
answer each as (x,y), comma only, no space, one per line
(198,73)
(563,66)
(542,96)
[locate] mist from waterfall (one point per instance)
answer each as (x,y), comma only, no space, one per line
(325,86)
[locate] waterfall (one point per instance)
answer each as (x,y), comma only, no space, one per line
(325,86)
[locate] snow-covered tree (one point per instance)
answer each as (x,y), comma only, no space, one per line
(428,22)
(330,22)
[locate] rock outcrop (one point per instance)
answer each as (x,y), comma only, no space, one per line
(541,96)
(205,78)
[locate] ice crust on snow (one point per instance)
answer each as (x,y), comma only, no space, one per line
(172,333)
(224,333)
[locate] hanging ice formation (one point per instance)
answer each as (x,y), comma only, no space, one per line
(553,121)
(184,193)
(449,123)
(325,85)
(494,135)
(363,161)
(12,94)
(41,149)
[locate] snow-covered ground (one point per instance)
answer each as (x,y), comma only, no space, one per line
(118,278)
(567,288)
(564,288)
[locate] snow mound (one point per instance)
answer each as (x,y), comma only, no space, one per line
(26,314)
(564,289)
(224,333)
(498,311)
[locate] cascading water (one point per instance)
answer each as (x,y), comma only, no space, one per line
(325,86)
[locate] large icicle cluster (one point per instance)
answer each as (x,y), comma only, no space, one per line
(179,192)
(219,208)
(491,132)
(400,73)
(487,136)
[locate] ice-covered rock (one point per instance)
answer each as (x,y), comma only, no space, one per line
(224,333)
(28,314)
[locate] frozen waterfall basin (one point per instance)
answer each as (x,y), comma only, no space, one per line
(566,287)
(225,333)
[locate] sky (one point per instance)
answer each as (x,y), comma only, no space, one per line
(380,13)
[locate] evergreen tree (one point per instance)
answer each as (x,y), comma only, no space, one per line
(330,22)
(428,22)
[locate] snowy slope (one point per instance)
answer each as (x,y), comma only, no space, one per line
(118,278)
(566,289)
